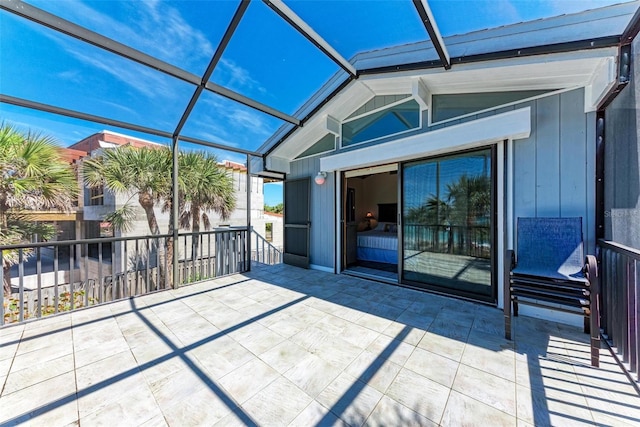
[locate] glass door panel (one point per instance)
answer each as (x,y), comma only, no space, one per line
(447,227)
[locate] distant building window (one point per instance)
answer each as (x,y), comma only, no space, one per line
(96,196)
(268,232)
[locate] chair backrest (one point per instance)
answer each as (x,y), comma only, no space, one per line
(550,247)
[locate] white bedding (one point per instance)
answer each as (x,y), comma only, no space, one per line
(378,240)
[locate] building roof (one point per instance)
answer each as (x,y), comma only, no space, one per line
(108,138)
(591,29)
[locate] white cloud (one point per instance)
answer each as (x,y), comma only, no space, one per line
(152,26)
(235,77)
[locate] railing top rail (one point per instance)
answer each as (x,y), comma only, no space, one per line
(268,243)
(620,248)
(113,239)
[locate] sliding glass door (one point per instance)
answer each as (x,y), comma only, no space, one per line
(447,211)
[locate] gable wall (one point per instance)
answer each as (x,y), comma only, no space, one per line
(554,171)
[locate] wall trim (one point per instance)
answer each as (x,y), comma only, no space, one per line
(321,268)
(477,133)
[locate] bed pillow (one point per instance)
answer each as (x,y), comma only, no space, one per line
(392,228)
(382,226)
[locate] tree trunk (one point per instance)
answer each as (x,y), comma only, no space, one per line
(195,227)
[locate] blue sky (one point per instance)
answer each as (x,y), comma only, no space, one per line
(266,59)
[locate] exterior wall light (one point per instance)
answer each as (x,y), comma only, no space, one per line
(320,178)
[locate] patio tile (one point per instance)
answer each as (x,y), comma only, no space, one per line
(395,351)
(284,356)
(463,410)
(486,388)
(362,367)
(41,355)
(247,380)
(418,321)
(312,374)
(553,407)
(277,404)
(202,407)
(316,415)
(374,322)
(134,407)
(30,375)
(420,394)
(491,354)
(31,343)
(349,399)
(410,335)
(221,356)
(256,338)
(621,405)
(388,412)
(51,402)
(9,342)
(374,370)
(444,346)
(157,421)
(433,366)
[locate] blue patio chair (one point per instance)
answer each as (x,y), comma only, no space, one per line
(550,271)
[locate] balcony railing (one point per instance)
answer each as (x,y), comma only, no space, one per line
(454,239)
(53,277)
(263,251)
(620,311)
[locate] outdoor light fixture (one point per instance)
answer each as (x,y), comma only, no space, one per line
(321,177)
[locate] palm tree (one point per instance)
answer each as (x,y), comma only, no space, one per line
(137,173)
(32,177)
(145,173)
(205,186)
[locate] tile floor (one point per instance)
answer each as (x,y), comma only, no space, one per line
(283,346)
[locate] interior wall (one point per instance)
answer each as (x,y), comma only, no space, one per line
(373,190)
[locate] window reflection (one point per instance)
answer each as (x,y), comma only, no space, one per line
(447,222)
(386,122)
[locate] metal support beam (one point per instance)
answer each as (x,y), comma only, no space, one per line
(235,21)
(235,96)
(6,99)
(303,28)
(175,212)
(249,229)
(63,26)
(54,22)
(434,34)
(218,146)
(78,115)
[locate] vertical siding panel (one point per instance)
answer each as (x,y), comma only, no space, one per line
(548,156)
(573,151)
(524,170)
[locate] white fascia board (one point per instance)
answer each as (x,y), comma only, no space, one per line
(420,93)
(604,78)
(278,164)
(511,125)
(333,125)
(352,98)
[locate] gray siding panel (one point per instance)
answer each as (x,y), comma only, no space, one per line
(548,157)
(524,185)
(554,168)
(322,235)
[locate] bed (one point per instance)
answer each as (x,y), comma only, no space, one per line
(379,245)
